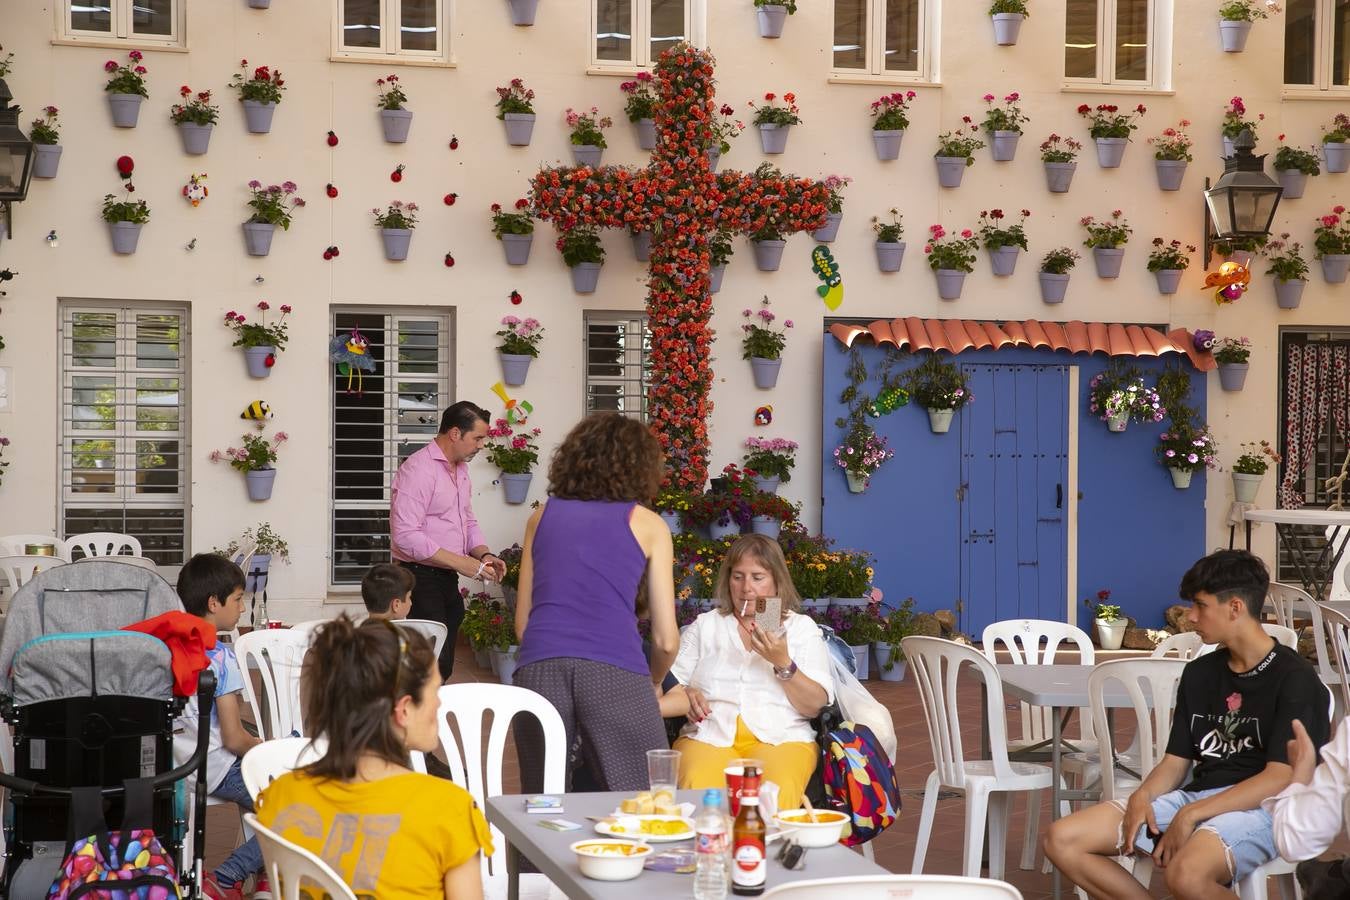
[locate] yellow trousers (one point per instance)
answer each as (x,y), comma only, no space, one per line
(788,765)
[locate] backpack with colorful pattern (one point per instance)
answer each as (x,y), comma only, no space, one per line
(129,864)
(859,781)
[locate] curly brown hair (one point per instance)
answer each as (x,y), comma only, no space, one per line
(607,456)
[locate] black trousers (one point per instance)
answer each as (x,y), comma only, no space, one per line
(436,596)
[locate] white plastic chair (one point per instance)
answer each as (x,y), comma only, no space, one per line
(434,631)
(1292,604)
(1339,589)
(103,543)
(276,654)
(269,760)
(1185,645)
(1283,634)
(936,664)
(14,544)
(16,570)
(1337,625)
(286,864)
(891,887)
(143,562)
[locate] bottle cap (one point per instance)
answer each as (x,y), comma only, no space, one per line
(712,797)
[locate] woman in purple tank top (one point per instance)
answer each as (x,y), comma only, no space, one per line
(593,554)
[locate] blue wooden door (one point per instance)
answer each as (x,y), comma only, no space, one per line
(1014,478)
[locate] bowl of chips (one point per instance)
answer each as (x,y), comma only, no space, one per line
(610,860)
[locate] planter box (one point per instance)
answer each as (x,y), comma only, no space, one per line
(515,486)
(396,124)
(1168,280)
(949,283)
(773,138)
(258,237)
(259,483)
(1233,35)
(1003,145)
(125,109)
(950,169)
(519,128)
(1007,26)
(47,160)
(887,144)
(768,254)
(396,243)
(196,138)
(771,18)
(515,368)
(1110,151)
(765,371)
(125,236)
(889,255)
(1058,176)
(517,248)
(585,277)
(1108,261)
(1053,286)
(1004,260)
(1170,173)
(258,116)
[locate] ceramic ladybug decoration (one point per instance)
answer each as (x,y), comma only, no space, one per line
(334,250)
(327,254)
(332,191)
(332,139)
(449,261)
(454,142)
(397,175)
(516,298)
(450,199)
(270,360)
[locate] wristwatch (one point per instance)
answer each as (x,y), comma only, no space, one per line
(785,673)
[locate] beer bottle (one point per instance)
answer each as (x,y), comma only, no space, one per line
(749,866)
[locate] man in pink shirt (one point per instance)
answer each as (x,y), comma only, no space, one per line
(432,527)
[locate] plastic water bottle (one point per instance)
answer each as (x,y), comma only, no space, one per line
(710,880)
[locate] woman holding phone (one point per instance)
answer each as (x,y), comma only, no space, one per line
(750,690)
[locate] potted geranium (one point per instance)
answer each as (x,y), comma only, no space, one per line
(1168,261)
(515,230)
(896,625)
(890,249)
(1289,268)
(1294,165)
(515,107)
(859,627)
(1171,154)
(763,344)
(260,93)
(1186,449)
(478,626)
(765,236)
(583,253)
(254,457)
(1236,18)
(1107,241)
(723,127)
(773,121)
(1054,273)
(940,388)
(834,208)
(951,259)
(640,107)
(1007,16)
(720,252)
(1250,465)
(126,89)
(1059,157)
(862,452)
(768,512)
(772,14)
(956,151)
(396,224)
(1110,128)
(261,341)
(672,504)
(1336,143)
(1238,250)
(890,119)
(1333,245)
(515,454)
(1235,122)
(1003,243)
(125,218)
(1110,623)
(519,344)
(1232,354)
(1004,124)
(395,118)
(46,137)
(267,546)
(1119,393)
(588,135)
(272,206)
(195,117)
(724,509)
(771,460)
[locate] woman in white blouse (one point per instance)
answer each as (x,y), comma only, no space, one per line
(748,692)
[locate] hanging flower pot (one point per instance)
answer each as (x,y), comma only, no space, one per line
(765,371)
(587,155)
(1294,183)
(773,138)
(1003,260)
(1118,422)
(259,4)
(940,420)
(1335,266)
(1232,376)
(887,144)
(396,243)
(1168,280)
(642,245)
(517,248)
(258,237)
(1170,172)
(1181,478)
(585,277)
(1245,486)
(722,529)
(1233,35)
(768,254)
(1337,156)
(519,128)
(674,521)
(515,486)
(831,230)
(949,283)
(125,109)
(889,255)
(522,11)
(771,18)
(396,124)
(46,160)
(1059,175)
(515,368)
(1053,286)
(259,482)
(1003,145)
(260,360)
(1110,151)
(196,138)
(766,525)
(767,485)
(950,170)
(1288,294)
(1108,261)
(715,275)
(125,236)
(857,483)
(1007,26)
(646,133)
(258,116)
(714,155)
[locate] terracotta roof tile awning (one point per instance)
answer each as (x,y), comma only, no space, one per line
(956,335)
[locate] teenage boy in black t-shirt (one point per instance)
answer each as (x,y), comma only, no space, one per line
(1234,714)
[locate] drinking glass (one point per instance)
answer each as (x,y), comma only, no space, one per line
(663,767)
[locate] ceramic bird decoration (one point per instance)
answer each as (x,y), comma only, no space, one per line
(350,352)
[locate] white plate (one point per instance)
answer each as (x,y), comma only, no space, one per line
(606,828)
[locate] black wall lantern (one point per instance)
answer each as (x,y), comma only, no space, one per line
(16,157)
(1242,203)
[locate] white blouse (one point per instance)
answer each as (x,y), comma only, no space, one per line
(738,681)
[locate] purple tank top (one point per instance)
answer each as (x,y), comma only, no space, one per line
(587,568)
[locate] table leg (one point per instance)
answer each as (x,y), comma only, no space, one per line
(1055,772)
(512,873)
(1306,573)
(1248,523)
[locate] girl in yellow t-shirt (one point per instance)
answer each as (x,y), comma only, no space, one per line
(370,692)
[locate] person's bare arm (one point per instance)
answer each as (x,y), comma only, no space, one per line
(525,585)
(465,881)
(665,637)
(233,737)
(1246,794)
(1166,776)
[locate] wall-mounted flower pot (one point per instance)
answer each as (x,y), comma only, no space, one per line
(721,530)
(714,155)
(1289,294)
(1228,148)
(258,116)
(715,275)
(674,521)
(765,371)
(260,360)
(950,169)
(887,144)
(517,248)
(47,160)
(396,243)
(1245,487)
(396,124)
(1335,266)
(519,127)
(1053,286)
(1170,173)
(196,138)
(1293,181)
(515,367)
(124,236)
(646,133)
(940,420)
(1003,145)
(1337,155)
(949,283)
(1110,151)
(642,245)
(889,255)
(587,155)
(767,526)
(259,482)
(522,11)
(1004,260)
(125,109)
(1232,376)
(1233,35)
(585,277)
(771,18)
(768,254)
(1006,28)
(258,237)
(259,4)
(1108,261)
(1117,422)
(1168,280)
(1059,175)
(515,486)
(1181,478)
(831,230)
(767,485)
(255,577)
(773,138)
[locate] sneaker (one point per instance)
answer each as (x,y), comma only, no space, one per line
(262,890)
(212,890)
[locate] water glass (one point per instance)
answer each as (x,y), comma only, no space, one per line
(663,768)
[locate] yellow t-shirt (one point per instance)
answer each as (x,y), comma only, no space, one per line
(394,839)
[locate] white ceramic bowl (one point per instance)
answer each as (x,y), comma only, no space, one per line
(605,859)
(824,832)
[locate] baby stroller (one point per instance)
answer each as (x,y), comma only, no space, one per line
(90,705)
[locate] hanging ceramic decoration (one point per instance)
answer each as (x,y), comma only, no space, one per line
(888,401)
(827,270)
(517,411)
(764,415)
(1231,282)
(257,412)
(195,190)
(350,354)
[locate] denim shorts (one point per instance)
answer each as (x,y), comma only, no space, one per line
(1248,836)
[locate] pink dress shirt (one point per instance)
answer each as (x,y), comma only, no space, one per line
(429,510)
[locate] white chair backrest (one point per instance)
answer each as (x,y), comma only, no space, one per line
(1292,604)
(15,544)
(893,887)
(277,655)
(434,631)
(307,628)
(482,775)
(1337,625)
(143,562)
(1184,645)
(1283,634)
(1035,642)
(936,664)
(17,570)
(286,864)
(1152,686)
(103,543)
(269,760)
(1339,589)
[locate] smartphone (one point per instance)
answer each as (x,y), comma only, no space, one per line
(769,614)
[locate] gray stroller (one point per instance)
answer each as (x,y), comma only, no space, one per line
(92,706)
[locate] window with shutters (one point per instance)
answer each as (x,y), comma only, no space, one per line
(887,38)
(124,415)
(1117,42)
(1317,45)
(631,34)
(380,418)
(617,349)
(137,22)
(398,30)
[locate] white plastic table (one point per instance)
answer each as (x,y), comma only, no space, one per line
(1315,574)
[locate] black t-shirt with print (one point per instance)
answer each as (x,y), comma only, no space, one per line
(1233,723)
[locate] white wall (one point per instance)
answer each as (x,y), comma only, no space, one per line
(552,58)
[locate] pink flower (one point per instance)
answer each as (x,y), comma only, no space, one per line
(281,438)
(110,66)
(966,232)
(264,305)
(215,456)
(285,308)
(988,97)
(1234,701)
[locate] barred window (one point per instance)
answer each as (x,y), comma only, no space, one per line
(617,349)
